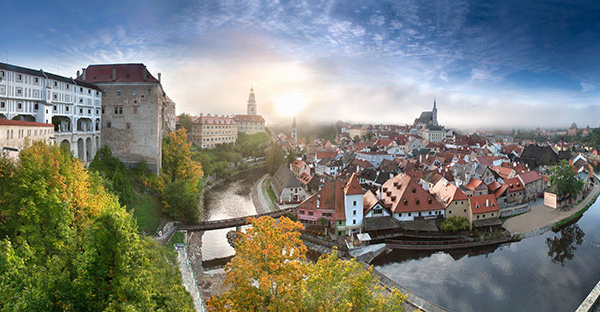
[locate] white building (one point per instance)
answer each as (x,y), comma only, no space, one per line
(74,107)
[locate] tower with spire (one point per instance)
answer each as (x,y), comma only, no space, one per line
(251,103)
(294,131)
(434,114)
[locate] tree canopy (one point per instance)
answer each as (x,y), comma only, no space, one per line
(270,272)
(563,179)
(68,245)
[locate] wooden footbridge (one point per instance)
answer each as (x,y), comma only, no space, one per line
(233,222)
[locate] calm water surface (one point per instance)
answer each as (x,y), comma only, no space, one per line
(229,199)
(550,272)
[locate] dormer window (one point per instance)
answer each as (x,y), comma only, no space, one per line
(405,202)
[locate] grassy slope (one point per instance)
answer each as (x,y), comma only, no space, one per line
(146,212)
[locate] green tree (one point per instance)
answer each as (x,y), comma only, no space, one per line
(455,224)
(185,120)
(563,179)
(275,157)
(181,200)
(67,244)
(114,174)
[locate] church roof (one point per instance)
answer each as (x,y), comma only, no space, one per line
(426,117)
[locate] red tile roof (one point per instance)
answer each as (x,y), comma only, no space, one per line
(8,122)
(353,187)
(514,184)
(255,118)
(529,177)
(473,184)
(402,194)
(503,172)
(124,73)
(500,191)
(326,154)
(298,163)
(483,204)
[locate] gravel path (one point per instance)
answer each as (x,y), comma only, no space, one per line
(187,278)
(541,216)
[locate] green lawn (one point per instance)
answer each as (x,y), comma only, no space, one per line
(146,211)
(270,190)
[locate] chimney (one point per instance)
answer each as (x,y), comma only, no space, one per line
(77,74)
(158,77)
(145,75)
(487,202)
(83,75)
(114,74)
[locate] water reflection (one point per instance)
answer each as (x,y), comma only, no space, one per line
(227,199)
(561,248)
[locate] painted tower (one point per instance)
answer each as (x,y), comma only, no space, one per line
(434,114)
(251,103)
(294,131)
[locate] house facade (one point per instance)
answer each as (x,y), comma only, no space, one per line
(209,130)
(135,112)
(14,134)
(72,106)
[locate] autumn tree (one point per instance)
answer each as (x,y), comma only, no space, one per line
(270,273)
(181,177)
(564,180)
(267,270)
(67,245)
(114,173)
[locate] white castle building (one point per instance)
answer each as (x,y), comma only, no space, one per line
(73,107)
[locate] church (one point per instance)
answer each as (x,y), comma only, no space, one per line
(427,126)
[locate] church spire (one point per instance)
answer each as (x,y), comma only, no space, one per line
(434,103)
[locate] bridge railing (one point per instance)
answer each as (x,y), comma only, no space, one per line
(232,221)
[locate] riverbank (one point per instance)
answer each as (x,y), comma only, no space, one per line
(542,218)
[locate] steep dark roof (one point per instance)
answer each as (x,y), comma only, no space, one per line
(41,73)
(535,156)
(426,117)
(284,178)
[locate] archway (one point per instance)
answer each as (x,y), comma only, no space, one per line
(88,149)
(66,145)
(2,116)
(80,150)
(97,143)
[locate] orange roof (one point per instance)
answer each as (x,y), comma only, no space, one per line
(473,184)
(514,184)
(446,192)
(326,154)
(500,190)
(503,172)
(402,194)
(494,186)
(8,122)
(298,163)
(483,203)
(304,178)
(353,187)
(369,201)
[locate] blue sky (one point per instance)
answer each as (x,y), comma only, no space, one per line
(488,63)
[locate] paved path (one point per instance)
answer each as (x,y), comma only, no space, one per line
(541,216)
(260,198)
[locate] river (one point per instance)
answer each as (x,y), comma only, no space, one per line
(549,272)
(227,199)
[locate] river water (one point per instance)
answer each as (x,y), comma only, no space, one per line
(549,272)
(227,199)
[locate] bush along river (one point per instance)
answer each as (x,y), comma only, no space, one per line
(554,271)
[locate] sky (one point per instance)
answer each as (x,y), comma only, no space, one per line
(488,64)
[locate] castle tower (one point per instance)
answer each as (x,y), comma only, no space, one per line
(434,114)
(251,103)
(294,131)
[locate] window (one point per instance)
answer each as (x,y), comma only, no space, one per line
(67,87)
(118,110)
(19,105)
(409,214)
(118,92)
(67,108)
(89,111)
(353,221)
(102,109)
(89,91)
(19,91)
(56,83)
(310,213)
(2,75)
(81,111)
(3,104)
(353,212)
(36,80)
(54,107)
(354,203)
(149,91)
(19,77)
(80,90)
(128,125)
(108,124)
(135,109)
(104,91)
(133,92)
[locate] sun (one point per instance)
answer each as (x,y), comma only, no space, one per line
(290,104)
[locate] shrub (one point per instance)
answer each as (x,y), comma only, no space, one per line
(455,224)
